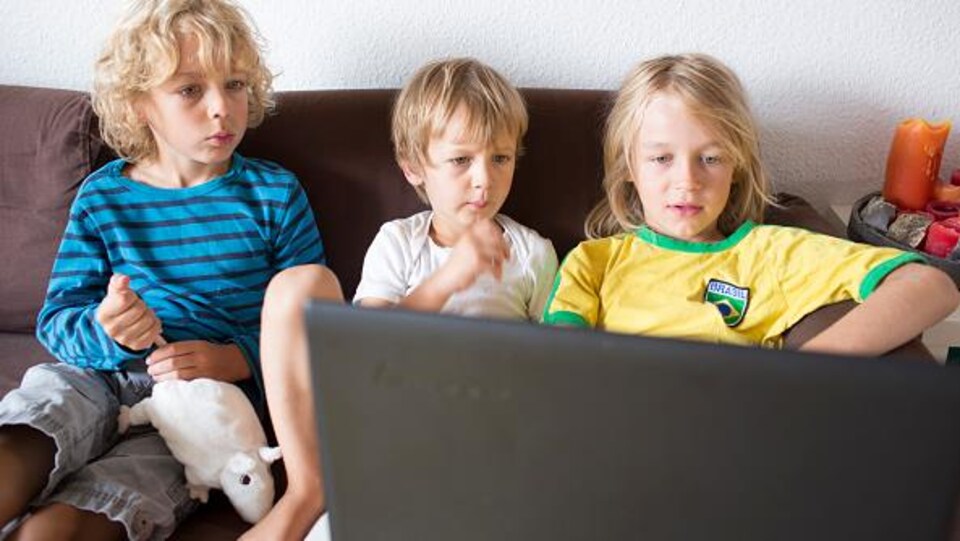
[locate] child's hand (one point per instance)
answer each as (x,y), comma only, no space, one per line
(193,359)
(480,249)
(125,317)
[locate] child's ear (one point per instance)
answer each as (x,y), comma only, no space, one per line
(413,173)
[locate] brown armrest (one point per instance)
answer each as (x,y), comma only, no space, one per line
(817,321)
(795,211)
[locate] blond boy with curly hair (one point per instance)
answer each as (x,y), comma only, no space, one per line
(161,275)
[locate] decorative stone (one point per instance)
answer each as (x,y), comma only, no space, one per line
(877,213)
(910,227)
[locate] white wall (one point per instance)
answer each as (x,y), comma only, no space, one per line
(829,80)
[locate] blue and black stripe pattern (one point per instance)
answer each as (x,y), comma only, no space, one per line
(200,257)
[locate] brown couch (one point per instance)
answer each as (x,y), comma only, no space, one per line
(338,144)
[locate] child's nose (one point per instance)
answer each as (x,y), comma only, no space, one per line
(481,174)
(217,103)
(687,175)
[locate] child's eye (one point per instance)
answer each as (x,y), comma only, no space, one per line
(189,91)
(502,158)
(460,160)
(661,159)
(712,160)
(236,84)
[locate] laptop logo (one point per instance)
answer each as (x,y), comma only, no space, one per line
(732,301)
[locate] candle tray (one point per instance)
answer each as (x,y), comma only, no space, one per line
(859,231)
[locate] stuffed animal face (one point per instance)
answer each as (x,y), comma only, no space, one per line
(248,483)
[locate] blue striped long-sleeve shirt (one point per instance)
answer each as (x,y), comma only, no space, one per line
(200,257)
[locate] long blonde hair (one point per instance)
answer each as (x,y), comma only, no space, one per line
(714,94)
(144,51)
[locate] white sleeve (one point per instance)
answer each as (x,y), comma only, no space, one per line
(385,267)
(543,269)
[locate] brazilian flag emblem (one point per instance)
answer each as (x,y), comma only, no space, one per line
(730,300)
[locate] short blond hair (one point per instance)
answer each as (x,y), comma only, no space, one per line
(435,92)
(715,95)
(144,51)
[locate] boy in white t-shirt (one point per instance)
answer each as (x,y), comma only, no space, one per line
(457,131)
(457,128)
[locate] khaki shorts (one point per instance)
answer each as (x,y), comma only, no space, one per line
(132,479)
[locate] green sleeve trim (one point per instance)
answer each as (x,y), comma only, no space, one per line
(553,290)
(563,317)
(878,273)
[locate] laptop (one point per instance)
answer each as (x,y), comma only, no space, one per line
(446,428)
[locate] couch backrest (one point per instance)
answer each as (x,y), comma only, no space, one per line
(48,144)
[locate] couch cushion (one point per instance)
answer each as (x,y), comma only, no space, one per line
(213,520)
(794,211)
(18,351)
(46,149)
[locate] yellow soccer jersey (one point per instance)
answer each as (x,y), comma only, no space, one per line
(747,289)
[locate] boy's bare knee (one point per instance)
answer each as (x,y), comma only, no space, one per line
(61,521)
(325,284)
(291,288)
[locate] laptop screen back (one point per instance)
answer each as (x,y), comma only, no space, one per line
(438,427)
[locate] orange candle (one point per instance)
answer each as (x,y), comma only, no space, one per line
(946,192)
(914,162)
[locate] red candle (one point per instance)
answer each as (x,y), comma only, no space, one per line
(914,162)
(942,237)
(941,210)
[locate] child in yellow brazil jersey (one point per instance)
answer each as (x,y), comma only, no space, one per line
(677,249)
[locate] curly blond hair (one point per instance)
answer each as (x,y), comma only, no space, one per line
(425,104)
(715,95)
(144,51)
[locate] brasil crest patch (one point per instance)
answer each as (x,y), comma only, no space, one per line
(730,300)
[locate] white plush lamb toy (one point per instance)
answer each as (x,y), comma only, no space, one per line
(211,428)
